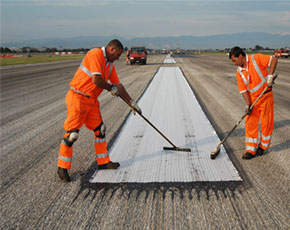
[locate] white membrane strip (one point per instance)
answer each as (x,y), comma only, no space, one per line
(169,60)
(171,106)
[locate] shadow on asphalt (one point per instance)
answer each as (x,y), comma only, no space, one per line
(278,147)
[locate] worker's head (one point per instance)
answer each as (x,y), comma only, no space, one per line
(237,56)
(114,49)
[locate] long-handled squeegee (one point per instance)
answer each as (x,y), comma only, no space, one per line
(216,151)
(175,148)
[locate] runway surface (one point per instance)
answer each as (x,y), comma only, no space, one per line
(32,114)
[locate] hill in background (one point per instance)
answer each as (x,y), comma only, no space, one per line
(221,41)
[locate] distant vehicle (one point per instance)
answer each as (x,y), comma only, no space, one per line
(277,53)
(283,53)
(138,54)
(177,51)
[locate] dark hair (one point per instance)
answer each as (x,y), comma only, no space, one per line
(236,51)
(116,43)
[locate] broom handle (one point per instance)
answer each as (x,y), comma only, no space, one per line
(149,123)
(258,98)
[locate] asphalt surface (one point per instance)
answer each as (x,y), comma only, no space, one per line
(32,197)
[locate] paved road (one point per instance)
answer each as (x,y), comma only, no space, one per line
(32,115)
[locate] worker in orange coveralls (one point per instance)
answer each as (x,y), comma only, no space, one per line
(127,57)
(252,78)
(83,106)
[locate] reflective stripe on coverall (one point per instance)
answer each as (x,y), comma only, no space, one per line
(253,79)
(83,105)
(82,110)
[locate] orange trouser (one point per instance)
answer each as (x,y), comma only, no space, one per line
(263,111)
(82,110)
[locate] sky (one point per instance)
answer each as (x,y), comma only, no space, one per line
(38,19)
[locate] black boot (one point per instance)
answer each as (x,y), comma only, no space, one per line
(63,174)
(260,151)
(248,156)
(110,165)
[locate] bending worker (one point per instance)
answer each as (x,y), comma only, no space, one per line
(252,79)
(83,106)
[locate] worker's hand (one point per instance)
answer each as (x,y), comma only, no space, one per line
(269,80)
(248,110)
(134,107)
(115,91)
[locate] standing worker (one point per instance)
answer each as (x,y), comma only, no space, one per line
(127,56)
(83,106)
(252,79)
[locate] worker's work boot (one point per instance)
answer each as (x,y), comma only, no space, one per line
(248,156)
(110,165)
(63,174)
(260,151)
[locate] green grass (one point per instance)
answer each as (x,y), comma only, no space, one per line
(38,58)
(219,53)
(266,53)
(215,53)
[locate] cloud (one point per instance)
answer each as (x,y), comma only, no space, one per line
(141,18)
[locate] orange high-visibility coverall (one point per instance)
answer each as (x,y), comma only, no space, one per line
(127,56)
(83,105)
(253,79)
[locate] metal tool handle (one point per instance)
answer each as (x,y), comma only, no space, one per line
(255,102)
(149,122)
(274,77)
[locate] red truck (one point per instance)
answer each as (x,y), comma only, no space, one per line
(138,54)
(283,53)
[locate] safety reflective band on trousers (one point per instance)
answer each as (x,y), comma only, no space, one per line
(67,159)
(100,140)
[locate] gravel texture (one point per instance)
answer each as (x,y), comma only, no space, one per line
(32,115)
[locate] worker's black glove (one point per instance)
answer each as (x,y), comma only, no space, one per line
(134,107)
(248,109)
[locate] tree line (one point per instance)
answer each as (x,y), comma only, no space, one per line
(39,50)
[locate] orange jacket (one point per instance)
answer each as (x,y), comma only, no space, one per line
(253,78)
(95,62)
